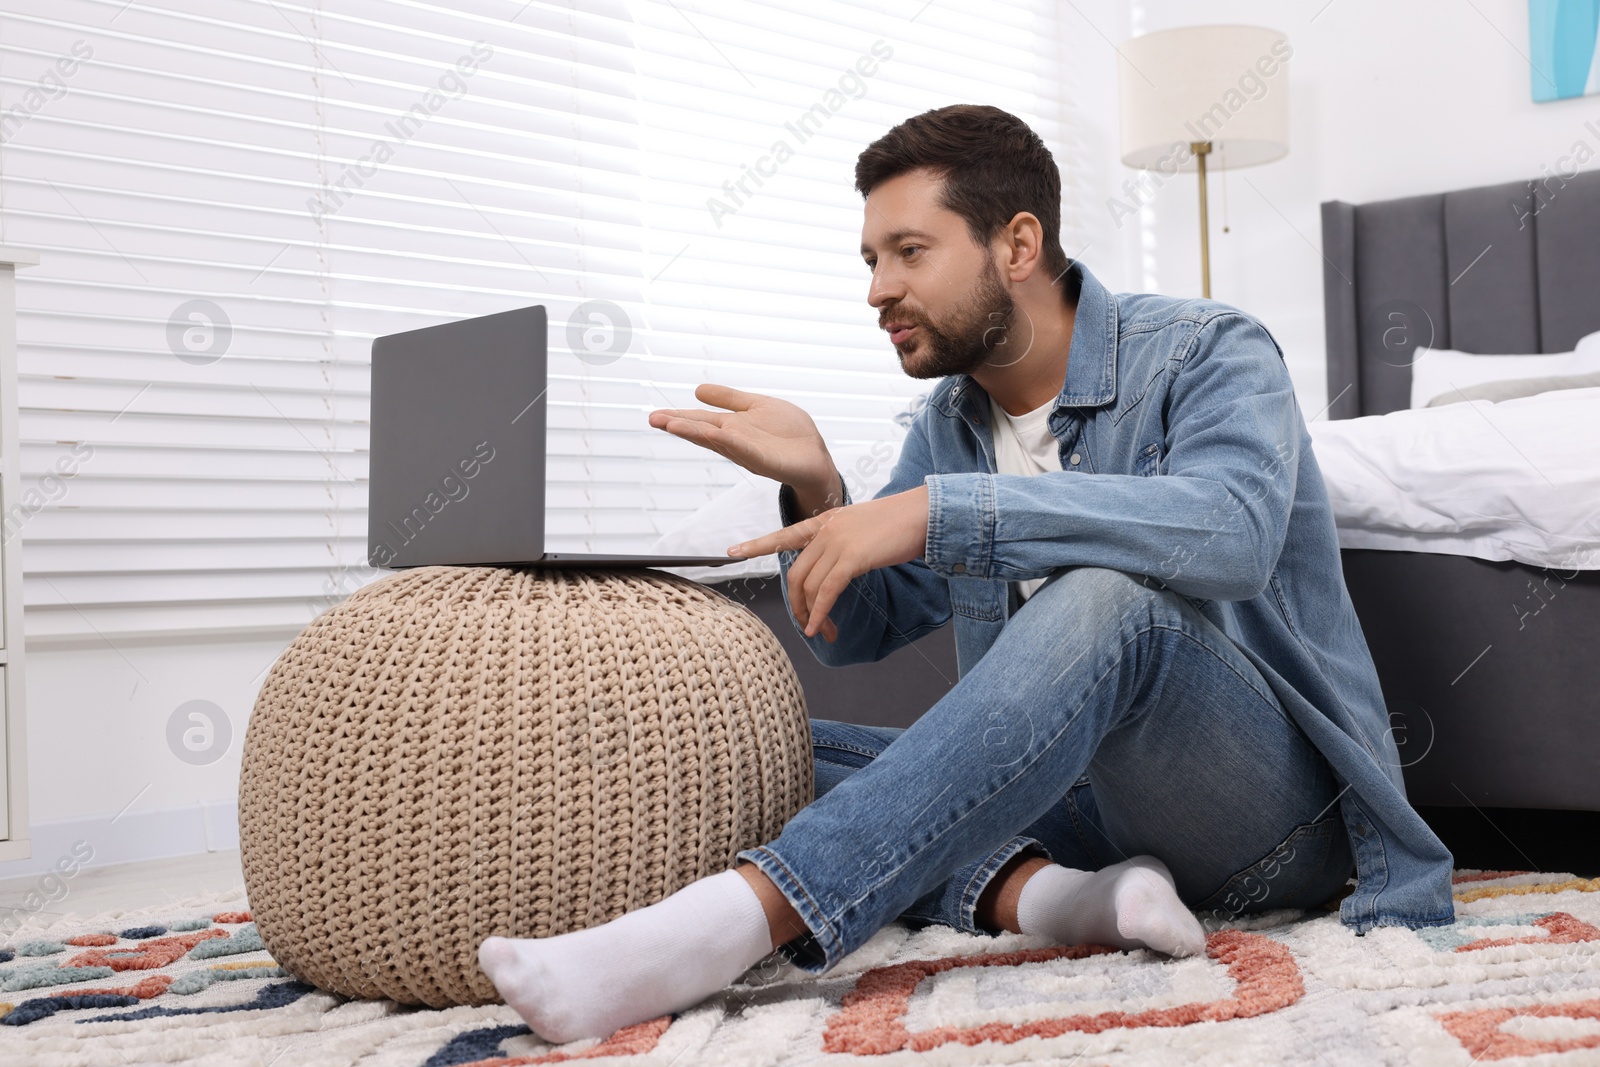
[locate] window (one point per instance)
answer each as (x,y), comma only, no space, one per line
(232,197)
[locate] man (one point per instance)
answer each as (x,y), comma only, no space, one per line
(1165,703)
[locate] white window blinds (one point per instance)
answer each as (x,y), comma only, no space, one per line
(232,197)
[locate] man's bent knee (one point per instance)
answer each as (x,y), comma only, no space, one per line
(1097,596)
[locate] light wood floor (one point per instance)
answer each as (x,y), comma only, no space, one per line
(94,890)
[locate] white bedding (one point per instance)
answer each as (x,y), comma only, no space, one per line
(1515,480)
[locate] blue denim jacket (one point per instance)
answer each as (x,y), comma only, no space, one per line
(1185,458)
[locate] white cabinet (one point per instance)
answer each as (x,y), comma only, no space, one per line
(14,843)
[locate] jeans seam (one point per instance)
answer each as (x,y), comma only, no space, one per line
(845,748)
(1004,857)
(1083,838)
(1277,594)
(833,939)
(1295,889)
(1332,837)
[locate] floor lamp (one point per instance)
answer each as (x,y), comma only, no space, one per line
(1199,94)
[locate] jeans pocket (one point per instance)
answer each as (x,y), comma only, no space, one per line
(1304,865)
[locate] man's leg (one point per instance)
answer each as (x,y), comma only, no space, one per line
(1299,871)
(840,749)
(1094,656)
(1201,768)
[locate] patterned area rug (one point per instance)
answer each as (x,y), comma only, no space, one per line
(1516,978)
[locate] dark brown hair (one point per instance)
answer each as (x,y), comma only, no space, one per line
(993,166)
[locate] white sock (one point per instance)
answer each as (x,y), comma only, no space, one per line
(661,958)
(1132,904)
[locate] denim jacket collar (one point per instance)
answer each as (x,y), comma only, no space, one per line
(1091,379)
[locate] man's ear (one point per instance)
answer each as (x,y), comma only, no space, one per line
(1024,251)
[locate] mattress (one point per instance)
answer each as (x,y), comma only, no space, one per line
(1514,480)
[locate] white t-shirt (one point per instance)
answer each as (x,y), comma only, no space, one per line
(1023,444)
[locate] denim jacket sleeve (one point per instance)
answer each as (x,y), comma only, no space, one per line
(1211,525)
(887,608)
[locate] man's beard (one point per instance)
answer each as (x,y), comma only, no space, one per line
(965,341)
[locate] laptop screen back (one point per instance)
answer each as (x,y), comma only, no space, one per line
(458,440)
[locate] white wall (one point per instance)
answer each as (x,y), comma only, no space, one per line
(1386,100)
(1090,172)
(100,767)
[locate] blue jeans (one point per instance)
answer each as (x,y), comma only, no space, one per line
(1108,720)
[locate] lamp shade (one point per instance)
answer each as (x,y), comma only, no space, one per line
(1227,85)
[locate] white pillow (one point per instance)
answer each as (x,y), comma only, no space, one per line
(1436,371)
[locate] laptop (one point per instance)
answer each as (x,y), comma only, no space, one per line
(457,472)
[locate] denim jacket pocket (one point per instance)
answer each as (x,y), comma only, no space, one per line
(1149,461)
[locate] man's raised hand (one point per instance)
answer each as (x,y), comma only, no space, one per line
(762,434)
(776,439)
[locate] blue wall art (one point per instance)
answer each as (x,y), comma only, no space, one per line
(1561,41)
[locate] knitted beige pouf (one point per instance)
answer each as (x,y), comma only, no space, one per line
(456,752)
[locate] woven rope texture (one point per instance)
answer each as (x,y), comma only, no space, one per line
(455,752)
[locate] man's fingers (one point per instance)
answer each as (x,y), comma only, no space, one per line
(725,396)
(797,605)
(821,600)
(830,632)
(824,557)
(815,559)
(797,536)
(694,414)
(699,433)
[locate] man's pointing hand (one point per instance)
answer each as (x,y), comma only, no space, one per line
(841,544)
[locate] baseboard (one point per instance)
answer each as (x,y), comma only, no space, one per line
(211,826)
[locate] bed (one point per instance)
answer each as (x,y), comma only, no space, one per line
(1490,668)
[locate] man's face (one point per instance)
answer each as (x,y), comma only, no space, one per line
(941,292)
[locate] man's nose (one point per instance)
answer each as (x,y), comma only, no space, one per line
(883,291)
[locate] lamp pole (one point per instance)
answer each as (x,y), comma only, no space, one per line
(1201,149)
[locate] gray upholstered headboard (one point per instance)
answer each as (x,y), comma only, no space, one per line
(1510,268)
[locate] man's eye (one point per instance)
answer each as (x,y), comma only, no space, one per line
(908,249)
